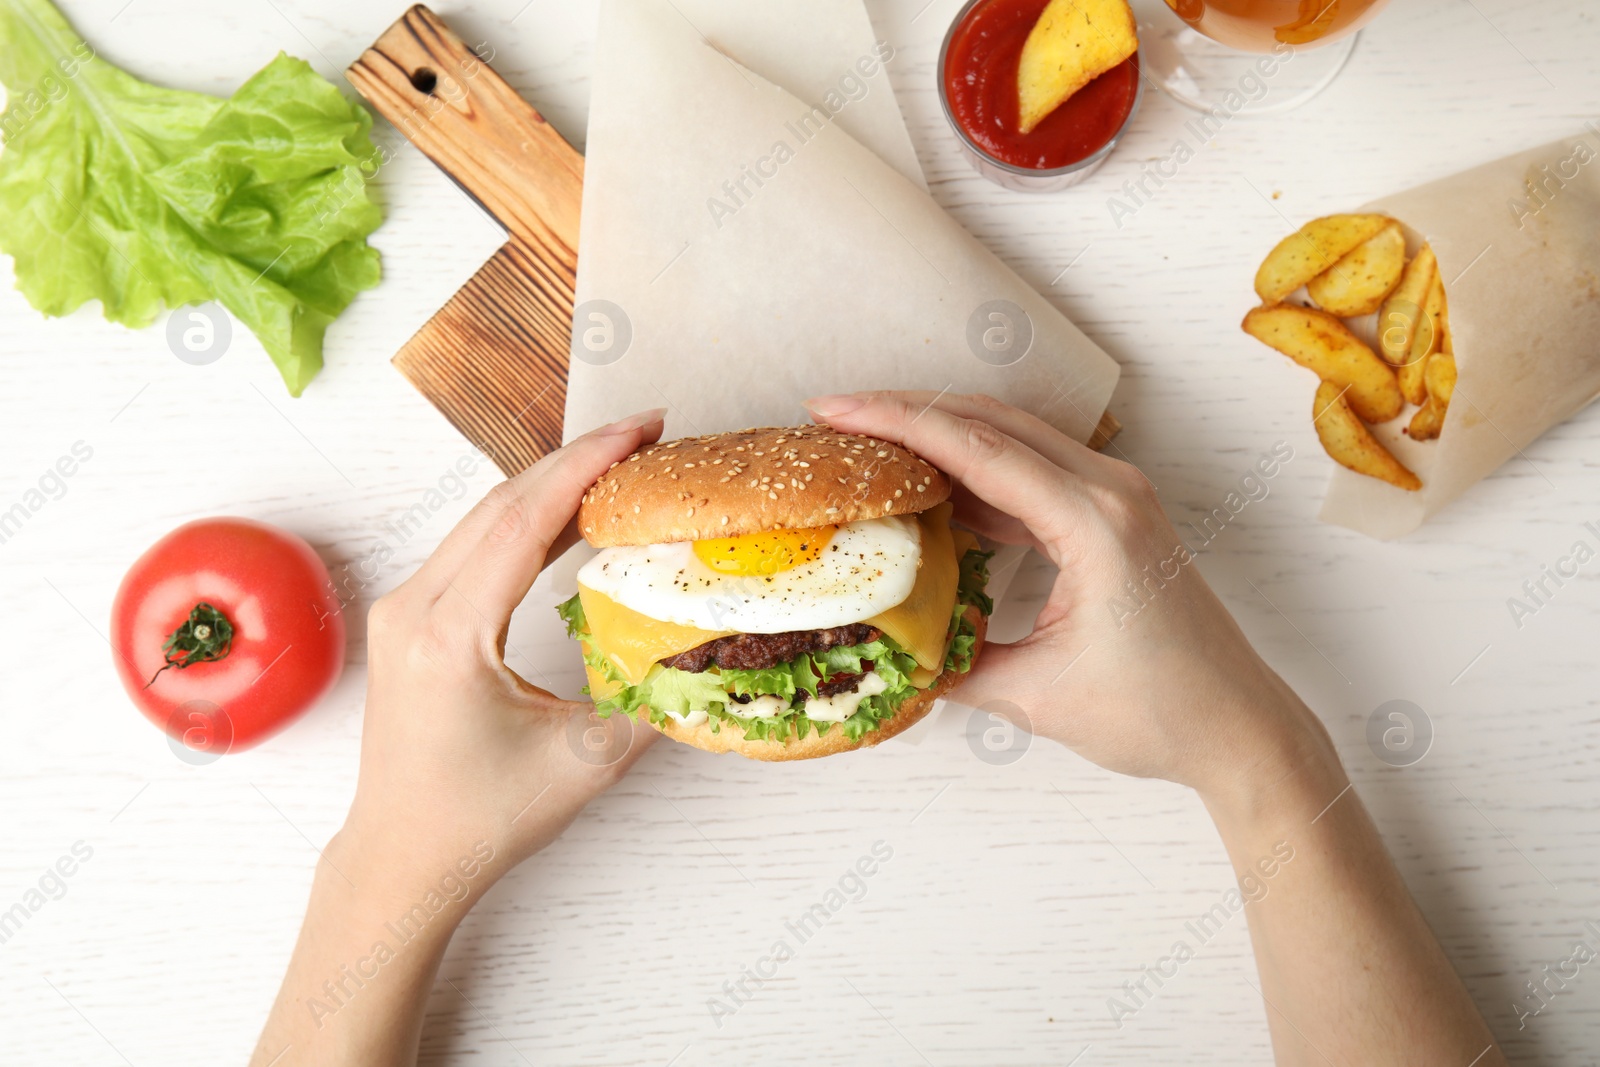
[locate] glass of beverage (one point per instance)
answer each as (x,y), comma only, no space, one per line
(1248,56)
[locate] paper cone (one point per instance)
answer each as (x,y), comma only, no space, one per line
(1518,242)
(807,47)
(755,254)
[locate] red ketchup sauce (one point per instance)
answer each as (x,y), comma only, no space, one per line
(980,78)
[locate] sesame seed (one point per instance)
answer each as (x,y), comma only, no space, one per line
(898,493)
(724,520)
(922,489)
(636,509)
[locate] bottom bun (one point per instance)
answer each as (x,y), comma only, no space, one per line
(833,740)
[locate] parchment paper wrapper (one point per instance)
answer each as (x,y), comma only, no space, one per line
(758,254)
(1518,242)
(807,46)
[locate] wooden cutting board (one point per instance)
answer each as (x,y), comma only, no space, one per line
(494,359)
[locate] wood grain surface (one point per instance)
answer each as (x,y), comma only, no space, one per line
(494,359)
(1017,898)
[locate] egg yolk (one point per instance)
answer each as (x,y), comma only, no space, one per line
(764,553)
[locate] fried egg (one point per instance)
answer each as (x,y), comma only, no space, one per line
(769,582)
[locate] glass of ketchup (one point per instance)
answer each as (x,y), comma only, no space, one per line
(978,91)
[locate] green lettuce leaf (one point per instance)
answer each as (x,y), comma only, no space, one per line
(670,689)
(667,687)
(974,579)
(784,679)
(958,659)
(145,198)
(572,613)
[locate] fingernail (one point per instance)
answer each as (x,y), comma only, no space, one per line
(838,404)
(632,422)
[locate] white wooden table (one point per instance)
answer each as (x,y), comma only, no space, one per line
(1018,898)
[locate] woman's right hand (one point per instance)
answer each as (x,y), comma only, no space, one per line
(1133,663)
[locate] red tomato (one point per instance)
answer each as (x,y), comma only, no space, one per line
(225,631)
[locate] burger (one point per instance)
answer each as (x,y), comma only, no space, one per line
(782,593)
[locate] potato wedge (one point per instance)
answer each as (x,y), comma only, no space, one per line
(1427,339)
(1072,44)
(1397,322)
(1317,340)
(1351,444)
(1446,345)
(1440,377)
(1427,422)
(1312,249)
(1316,18)
(1358,283)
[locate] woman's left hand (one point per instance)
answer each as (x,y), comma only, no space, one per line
(461,758)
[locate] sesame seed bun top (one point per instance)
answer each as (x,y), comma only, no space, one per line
(747,481)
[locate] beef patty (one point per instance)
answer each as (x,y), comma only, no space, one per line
(755,652)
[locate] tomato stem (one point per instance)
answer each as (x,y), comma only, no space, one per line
(205,636)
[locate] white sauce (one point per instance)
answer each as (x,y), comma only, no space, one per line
(836,708)
(762,707)
(841,706)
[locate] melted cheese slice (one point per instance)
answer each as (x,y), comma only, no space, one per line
(919,624)
(965,541)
